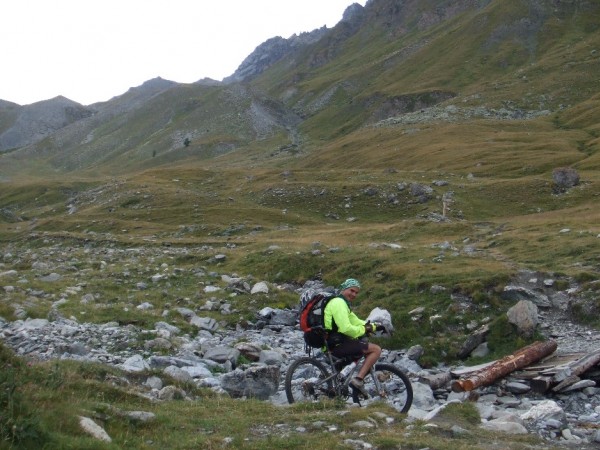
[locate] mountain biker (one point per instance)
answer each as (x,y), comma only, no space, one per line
(347,332)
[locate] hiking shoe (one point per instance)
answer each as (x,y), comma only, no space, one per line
(359,385)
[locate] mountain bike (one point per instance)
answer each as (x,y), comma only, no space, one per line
(311,379)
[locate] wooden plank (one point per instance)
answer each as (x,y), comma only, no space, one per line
(572,379)
(540,384)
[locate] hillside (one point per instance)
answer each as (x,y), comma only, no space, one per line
(435,150)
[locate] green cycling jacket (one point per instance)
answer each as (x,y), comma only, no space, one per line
(348,323)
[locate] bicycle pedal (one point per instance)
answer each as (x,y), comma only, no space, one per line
(357,394)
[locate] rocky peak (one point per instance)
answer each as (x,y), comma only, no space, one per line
(31,123)
(272,51)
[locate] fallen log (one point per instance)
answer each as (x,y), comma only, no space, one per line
(566,375)
(523,357)
(581,365)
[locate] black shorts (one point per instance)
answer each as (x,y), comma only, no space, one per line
(350,347)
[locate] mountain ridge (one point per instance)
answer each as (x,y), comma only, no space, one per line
(380,61)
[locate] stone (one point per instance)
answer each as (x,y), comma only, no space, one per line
(50,278)
(204,323)
(93,429)
(177,374)
(140,416)
(271,357)
(415,352)
(197,371)
(154,383)
(9,273)
(135,363)
(517,293)
(504,426)
(222,354)
(260,288)
(546,409)
(524,315)
(258,382)
(517,388)
(169,393)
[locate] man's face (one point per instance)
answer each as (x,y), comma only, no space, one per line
(351,293)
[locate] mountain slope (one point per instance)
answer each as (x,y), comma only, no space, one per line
(382,64)
(25,125)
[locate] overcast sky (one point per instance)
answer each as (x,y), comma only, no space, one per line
(93,50)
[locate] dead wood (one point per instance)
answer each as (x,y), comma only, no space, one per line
(566,374)
(572,379)
(541,384)
(523,357)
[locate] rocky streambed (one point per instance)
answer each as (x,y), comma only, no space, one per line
(211,358)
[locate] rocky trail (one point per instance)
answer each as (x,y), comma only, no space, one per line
(210,358)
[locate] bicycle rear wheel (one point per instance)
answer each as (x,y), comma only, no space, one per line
(396,389)
(307,380)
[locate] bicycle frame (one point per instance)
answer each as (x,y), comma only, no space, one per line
(342,385)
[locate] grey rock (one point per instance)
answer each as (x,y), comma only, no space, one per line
(517,293)
(177,374)
(271,357)
(9,273)
(258,382)
(198,371)
(169,393)
(135,363)
(524,315)
(504,426)
(260,288)
(517,388)
(222,354)
(423,397)
(93,429)
(481,350)
(415,352)
(140,416)
(50,278)
(154,383)
(283,317)
(204,323)
(249,350)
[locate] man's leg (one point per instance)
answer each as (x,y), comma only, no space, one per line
(372,354)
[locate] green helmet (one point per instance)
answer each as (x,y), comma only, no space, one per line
(350,282)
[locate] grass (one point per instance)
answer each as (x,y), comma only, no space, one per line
(206,420)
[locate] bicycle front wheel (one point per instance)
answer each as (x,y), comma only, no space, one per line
(395,387)
(307,380)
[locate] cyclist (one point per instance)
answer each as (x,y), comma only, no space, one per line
(347,332)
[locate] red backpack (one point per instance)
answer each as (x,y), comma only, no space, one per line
(312,316)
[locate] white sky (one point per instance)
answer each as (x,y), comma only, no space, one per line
(93,50)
